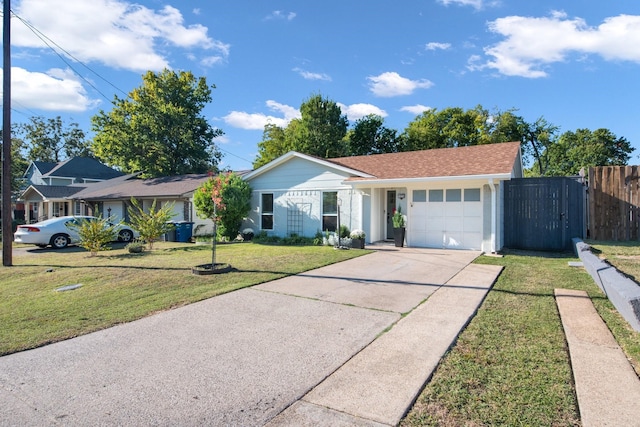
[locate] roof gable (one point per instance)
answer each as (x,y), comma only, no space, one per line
(47,192)
(489,159)
(82,168)
(316,160)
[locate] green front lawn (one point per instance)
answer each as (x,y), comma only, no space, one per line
(120,287)
(511,364)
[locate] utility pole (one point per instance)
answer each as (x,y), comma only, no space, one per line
(7,227)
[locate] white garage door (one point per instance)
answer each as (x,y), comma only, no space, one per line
(449,218)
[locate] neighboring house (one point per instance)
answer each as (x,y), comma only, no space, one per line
(452,197)
(112,198)
(50,186)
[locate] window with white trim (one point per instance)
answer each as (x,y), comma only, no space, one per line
(266,222)
(330,211)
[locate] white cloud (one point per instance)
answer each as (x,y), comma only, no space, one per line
(278,14)
(257,121)
(312,76)
(532,44)
(358,111)
(114,32)
(55,90)
(435,45)
(391,84)
(477,4)
(416,109)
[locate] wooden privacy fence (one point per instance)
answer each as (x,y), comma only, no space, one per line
(614,203)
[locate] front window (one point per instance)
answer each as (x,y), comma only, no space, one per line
(330,211)
(267,211)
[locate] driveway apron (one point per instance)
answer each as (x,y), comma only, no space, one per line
(236,359)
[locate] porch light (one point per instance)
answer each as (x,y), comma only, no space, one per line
(401,196)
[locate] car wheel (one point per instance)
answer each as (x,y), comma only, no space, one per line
(125,236)
(60,241)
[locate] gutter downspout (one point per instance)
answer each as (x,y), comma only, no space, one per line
(494,219)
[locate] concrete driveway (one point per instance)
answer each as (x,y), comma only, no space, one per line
(236,359)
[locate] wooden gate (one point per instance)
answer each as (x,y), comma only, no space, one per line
(614,203)
(543,214)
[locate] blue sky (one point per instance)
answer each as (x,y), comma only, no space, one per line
(577,63)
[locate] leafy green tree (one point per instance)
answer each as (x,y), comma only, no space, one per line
(585,148)
(159,128)
(95,234)
(153,223)
(370,136)
(50,140)
(322,128)
(226,200)
(273,145)
(319,132)
(451,127)
(536,137)
(19,164)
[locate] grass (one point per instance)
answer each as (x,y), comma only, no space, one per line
(511,366)
(625,256)
(120,287)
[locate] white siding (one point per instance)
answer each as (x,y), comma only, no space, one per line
(299,174)
(297,188)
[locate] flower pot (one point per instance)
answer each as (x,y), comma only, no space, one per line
(398,236)
(357,243)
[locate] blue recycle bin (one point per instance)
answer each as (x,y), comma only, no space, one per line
(184,230)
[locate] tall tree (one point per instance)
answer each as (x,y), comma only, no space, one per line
(584,148)
(159,129)
(535,138)
(321,129)
(450,127)
(19,163)
(370,136)
(319,132)
(50,140)
(273,145)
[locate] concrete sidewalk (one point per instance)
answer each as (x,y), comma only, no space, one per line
(607,387)
(243,358)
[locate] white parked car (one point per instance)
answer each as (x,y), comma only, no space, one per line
(56,233)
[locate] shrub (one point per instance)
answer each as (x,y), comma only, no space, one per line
(95,234)
(263,237)
(295,240)
(152,224)
(135,247)
(344,231)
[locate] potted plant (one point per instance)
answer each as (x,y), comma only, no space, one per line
(399,224)
(357,239)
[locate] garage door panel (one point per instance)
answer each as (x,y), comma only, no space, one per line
(453,240)
(454,224)
(472,240)
(435,224)
(442,224)
(472,224)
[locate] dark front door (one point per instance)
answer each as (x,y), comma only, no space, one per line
(391,205)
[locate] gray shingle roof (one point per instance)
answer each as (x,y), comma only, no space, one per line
(127,187)
(82,167)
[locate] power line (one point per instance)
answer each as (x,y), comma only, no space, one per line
(42,38)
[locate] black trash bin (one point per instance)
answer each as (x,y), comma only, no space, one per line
(184,230)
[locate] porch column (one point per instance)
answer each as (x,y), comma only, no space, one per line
(494,219)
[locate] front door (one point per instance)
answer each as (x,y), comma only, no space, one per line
(391,206)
